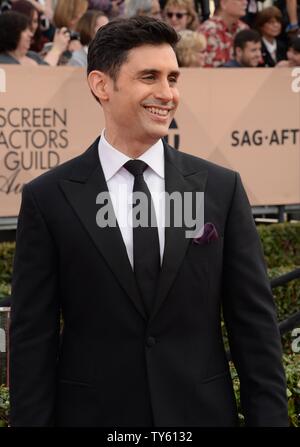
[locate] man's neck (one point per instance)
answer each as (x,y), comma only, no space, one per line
(132,149)
(240,62)
(229,20)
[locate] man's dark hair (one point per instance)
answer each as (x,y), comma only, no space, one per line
(11,26)
(244,36)
(110,47)
(295,44)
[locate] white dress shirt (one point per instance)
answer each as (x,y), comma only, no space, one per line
(120,185)
(271,47)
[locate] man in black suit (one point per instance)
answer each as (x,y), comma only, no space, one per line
(141,343)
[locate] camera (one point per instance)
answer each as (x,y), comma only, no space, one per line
(44,23)
(5,6)
(74,35)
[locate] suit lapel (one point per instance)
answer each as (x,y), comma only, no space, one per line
(182,178)
(81,189)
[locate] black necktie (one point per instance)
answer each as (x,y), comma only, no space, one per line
(146,253)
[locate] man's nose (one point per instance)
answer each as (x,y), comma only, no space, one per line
(164,91)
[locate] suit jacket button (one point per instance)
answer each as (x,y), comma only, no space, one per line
(151,341)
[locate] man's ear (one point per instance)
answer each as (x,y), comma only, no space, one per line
(98,82)
(238,53)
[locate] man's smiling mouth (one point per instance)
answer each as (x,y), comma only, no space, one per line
(157,111)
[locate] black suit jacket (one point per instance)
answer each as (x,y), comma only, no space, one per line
(114,367)
(268,61)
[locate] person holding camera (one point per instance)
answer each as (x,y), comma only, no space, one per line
(87,27)
(69,13)
(60,40)
(66,16)
(15,40)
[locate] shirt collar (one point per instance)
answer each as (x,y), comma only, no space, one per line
(271,47)
(112,159)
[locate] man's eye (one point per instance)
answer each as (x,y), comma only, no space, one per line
(149,77)
(173,80)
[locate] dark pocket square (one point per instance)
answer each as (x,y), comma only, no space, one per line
(208,234)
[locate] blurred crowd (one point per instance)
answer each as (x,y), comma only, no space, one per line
(219,33)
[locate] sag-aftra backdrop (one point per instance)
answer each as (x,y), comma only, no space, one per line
(244,119)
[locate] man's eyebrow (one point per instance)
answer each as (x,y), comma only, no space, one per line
(155,71)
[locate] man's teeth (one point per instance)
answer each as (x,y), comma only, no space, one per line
(156,111)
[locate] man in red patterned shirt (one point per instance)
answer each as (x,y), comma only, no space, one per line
(221,29)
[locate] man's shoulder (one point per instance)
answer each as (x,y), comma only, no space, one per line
(232,63)
(55,174)
(65,170)
(191,163)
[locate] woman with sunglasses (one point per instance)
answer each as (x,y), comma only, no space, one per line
(181,14)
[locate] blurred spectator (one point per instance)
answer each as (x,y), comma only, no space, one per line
(112,8)
(61,38)
(43,7)
(15,40)
(293,55)
(181,15)
(149,8)
(87,27)
(26,7)
(190,50)
(58,47)
(269,24)
(68,13)
(247,49)
(221,29)
(202,8)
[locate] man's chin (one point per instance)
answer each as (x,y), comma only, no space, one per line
(159,132)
